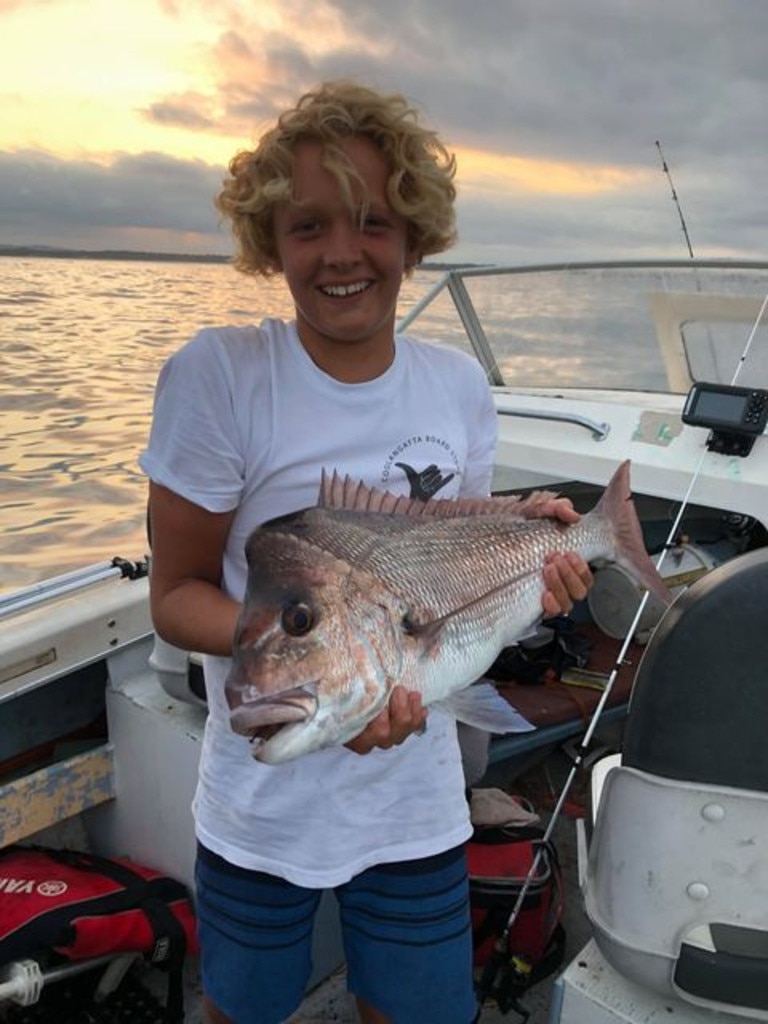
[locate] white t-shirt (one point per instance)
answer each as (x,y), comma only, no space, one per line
(245,420)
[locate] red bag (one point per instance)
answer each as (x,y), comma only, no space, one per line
(81,906)
(499,860)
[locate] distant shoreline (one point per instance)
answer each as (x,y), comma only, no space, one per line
(46,252)
(51,252)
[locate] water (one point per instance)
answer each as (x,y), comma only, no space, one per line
(82,342)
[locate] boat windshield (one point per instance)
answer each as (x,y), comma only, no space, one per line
(651,326)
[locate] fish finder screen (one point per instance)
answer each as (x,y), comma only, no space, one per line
(718,406)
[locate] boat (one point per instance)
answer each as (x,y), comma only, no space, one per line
(664,363)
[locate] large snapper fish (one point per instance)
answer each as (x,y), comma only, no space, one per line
(368,590)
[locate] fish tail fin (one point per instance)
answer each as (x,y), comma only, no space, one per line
(617,506)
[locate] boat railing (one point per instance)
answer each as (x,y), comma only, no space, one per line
(666,322)
(453,281)
(71,635)
(27,597)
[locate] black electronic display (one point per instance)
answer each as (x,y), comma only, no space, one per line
(725,407)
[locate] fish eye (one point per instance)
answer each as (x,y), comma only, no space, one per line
(410,626)
(297,619)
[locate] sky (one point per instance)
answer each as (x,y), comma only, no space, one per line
(117,120)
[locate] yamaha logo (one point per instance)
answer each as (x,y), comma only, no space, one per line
(52,888)
(28,886)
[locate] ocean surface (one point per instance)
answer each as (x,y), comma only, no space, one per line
(82,342)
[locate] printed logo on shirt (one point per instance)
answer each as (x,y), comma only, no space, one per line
(437,456)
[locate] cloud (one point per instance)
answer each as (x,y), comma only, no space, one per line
(54,201)
(187,112)
(250,87)
(556,106)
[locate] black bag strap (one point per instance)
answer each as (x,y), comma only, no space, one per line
(132,881)
(151,895)
(493,835)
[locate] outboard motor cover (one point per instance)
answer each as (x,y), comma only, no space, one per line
(677,878)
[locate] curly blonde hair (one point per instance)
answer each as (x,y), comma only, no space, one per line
(420,185)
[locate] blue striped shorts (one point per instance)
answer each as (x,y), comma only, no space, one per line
(405,926)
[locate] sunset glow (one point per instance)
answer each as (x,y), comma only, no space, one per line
(87,86)
(490,171)
(75,82)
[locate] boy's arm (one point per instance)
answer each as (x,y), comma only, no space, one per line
(189,610)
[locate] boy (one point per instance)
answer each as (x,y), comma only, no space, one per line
(344,196)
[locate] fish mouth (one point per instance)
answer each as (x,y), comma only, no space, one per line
(263,718)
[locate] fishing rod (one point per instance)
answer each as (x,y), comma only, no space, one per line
(500,956)
(666,170)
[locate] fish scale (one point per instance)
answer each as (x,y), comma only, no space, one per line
(483,553)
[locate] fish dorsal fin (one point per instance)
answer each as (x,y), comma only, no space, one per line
(343,492)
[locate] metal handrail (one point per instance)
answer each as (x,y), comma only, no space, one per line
(60,586)
(598,430)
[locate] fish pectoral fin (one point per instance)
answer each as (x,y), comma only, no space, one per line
(482,706)
(424,631)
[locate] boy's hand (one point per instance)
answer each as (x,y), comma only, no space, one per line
(568,579)
(403,716)
(556,508)
(567,576)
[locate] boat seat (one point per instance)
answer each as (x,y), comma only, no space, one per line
(676,885)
